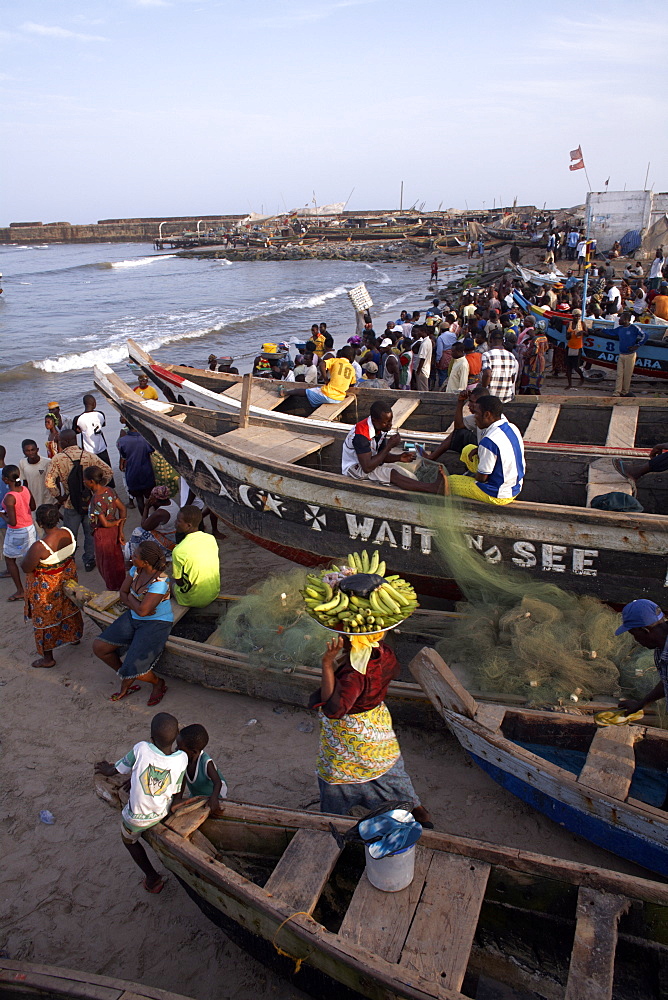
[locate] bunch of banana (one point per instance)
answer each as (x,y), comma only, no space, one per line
(388,605)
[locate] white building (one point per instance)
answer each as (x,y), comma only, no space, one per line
(612,214)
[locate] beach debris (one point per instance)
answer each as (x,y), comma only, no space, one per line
(251,722)
(47,817)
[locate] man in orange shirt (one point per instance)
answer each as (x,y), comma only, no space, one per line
(660,303)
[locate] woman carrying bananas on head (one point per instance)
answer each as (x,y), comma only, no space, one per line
(359,760)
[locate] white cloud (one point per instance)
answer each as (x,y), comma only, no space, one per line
(52,31)
(305,15)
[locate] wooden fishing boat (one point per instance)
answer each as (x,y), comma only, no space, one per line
(546,422)
(28,981)
(280,486)
(277,882)
(584,777)
(601,343)
(203,661)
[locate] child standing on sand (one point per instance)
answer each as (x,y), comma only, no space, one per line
(202,775)
(157,774)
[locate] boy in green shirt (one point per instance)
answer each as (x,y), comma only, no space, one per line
(195,561)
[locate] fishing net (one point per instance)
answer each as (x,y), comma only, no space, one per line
(521,636)
(271,624)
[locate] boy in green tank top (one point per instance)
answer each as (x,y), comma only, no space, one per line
(202,776)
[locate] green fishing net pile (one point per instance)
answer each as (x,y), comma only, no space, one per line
(521,636)
(271,625)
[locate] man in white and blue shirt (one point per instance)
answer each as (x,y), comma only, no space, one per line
(497,462)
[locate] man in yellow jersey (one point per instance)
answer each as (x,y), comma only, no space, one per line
(339,376)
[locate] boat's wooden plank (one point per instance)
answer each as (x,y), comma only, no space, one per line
(48,985)
(622,427)
(382,929)
(267,399)
(329,411)
(439,941)
(188,820)
(610,763)
(440,684)
(282,446)
(541,425)
(592,964)
(303,870)
(491,716)
(402,409)
(604,478)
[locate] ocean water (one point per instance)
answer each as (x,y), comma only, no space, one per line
(66,308)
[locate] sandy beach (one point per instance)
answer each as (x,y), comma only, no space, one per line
(72,896)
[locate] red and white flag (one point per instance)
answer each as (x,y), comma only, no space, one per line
(577,161)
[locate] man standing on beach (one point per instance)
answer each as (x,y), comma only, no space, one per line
(631,337)
(63,423)
(499,370)
(434,271)
(136,463)
(33,468)
(64,481)
(89,424)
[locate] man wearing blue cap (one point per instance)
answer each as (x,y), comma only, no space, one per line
(649,627)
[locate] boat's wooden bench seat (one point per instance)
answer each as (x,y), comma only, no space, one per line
(402,409)
(604,478)
(610,763)
(303,869)
(330,411)
(430,926)
(266,398)
(592,966)
(282,446)
(622,427)
(542,423)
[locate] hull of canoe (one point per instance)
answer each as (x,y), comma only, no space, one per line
(626,831)
(25,980)
(601,344)
(312,517)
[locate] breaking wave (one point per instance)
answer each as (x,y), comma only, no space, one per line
(150,331)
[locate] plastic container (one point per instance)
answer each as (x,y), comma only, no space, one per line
(270,348)
(393,872)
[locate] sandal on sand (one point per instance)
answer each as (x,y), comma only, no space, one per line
(155,699)
(158,887)
(40,663)
(16,597)
(119,697)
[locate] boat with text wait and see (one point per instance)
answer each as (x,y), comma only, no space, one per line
(279,484)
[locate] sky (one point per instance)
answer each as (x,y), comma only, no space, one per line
(145,108)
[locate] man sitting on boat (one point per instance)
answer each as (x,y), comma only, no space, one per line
(497,462)
(368,452)
(340,376)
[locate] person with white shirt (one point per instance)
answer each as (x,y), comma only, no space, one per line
(423,370)
(613,299)
(655,272)
(581,251)
(33,469)
(458,377)
(89,424)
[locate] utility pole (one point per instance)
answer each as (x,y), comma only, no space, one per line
(401,197)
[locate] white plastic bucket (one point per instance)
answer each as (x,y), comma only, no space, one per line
(393,872)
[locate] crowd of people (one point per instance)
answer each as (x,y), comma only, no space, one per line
(47,504)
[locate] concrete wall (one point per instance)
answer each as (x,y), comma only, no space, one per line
(613,213)
(659,206)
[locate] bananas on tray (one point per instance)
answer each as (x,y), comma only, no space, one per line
(344,610)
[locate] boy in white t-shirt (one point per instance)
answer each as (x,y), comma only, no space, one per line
(157,774)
